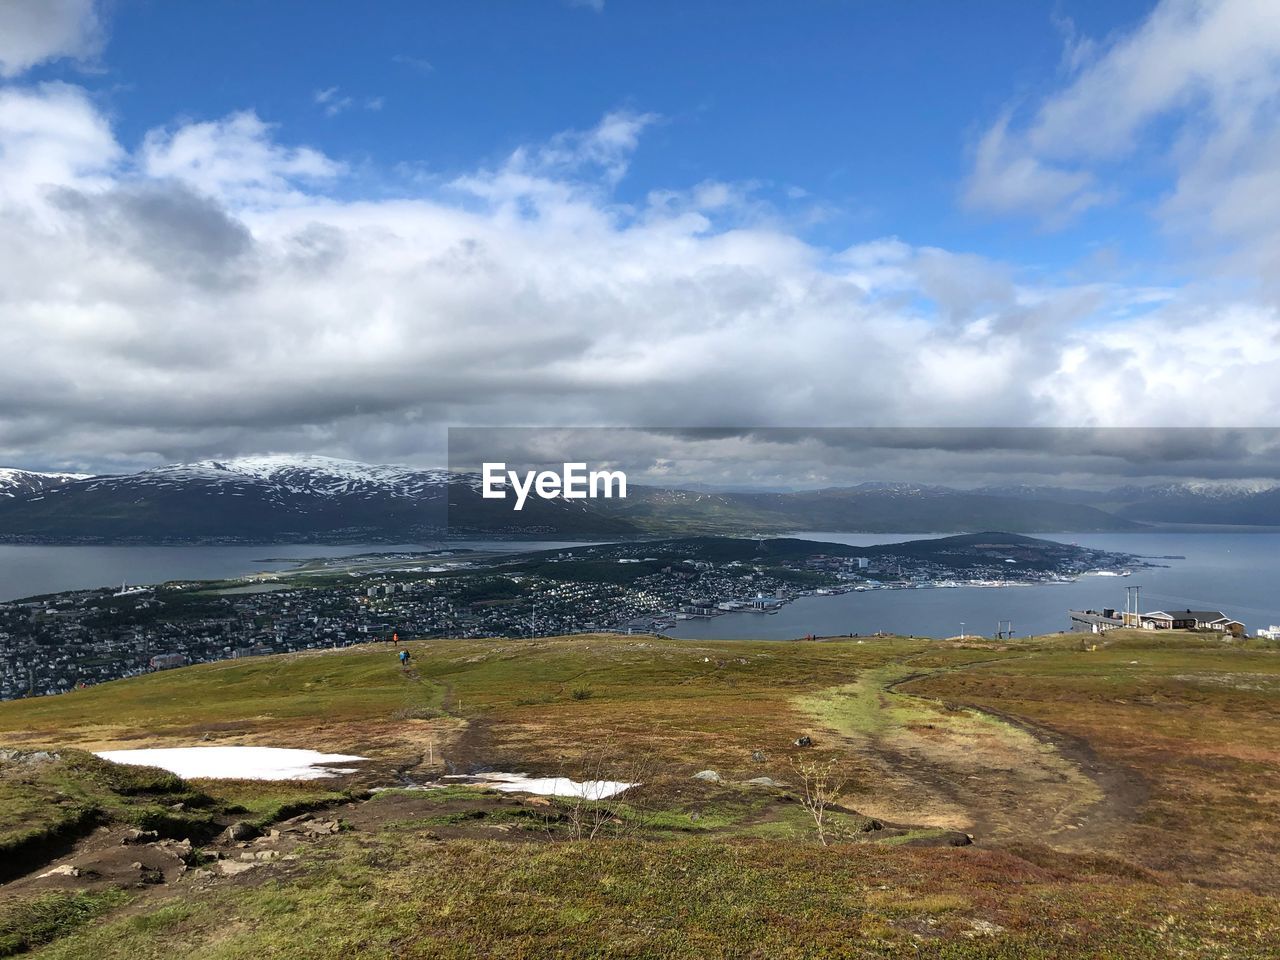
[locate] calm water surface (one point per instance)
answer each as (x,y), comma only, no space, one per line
(1238,573)
(27,571)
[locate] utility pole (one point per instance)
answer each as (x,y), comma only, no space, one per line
(1133,606)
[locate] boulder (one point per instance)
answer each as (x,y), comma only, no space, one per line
(709,775)
(764,782)
(757,756)
(179,849)
(139,836)
(805,741)
(239,831)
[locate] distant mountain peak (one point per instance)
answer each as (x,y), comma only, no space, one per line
(15,482)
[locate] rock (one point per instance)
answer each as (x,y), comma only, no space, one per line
(249,855)
(983,928)
(229,868)
(804,741)
(538,802)
(180,849)
(757,756)
(239,831)
(709,775)
(321,828)
(764,782)
(138,836)
(61,870)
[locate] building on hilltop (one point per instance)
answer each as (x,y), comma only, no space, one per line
(1191,620)
(1094,621)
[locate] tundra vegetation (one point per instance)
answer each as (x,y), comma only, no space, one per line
(1048,797)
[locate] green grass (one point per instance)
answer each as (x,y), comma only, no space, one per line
(404,896)
(698,869)
(263,692)
(30,922)
(265,802)
(48,799)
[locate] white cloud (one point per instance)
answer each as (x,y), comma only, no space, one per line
(234,158)
(52,136)
(418,64)
(547,176)
(1012,179)
(1207,70)
(203,294)
(334,101)
(35,31)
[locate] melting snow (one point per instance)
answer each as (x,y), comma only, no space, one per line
(544,786)
(237,763)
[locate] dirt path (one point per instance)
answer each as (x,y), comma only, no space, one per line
(997,776)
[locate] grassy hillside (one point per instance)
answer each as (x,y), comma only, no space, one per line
(1120,798)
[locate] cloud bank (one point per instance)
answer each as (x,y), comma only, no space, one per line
(215,289)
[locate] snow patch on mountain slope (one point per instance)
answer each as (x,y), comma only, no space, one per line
(1209,489)
(15,482)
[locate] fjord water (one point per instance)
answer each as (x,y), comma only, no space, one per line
(31,570)
(1238,573)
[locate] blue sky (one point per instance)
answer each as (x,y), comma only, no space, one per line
(870,108)
(335,228)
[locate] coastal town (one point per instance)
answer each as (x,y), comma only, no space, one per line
(56,643)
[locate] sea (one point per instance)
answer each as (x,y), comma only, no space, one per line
(32,570)
(1236,572)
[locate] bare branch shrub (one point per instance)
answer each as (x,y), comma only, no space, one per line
(594,812)
(822,787)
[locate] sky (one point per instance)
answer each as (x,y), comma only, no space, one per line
(329,228)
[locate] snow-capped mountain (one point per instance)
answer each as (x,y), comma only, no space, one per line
(309,475)
(24,483)
(313,498)
(1230,502)
(284,498)
(1208,489)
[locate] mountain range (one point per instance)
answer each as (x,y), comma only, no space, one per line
(26,483)
(322,499)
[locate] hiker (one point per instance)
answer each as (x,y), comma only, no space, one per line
(404,658)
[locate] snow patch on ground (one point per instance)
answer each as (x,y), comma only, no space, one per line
(544,786)
(237,763)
